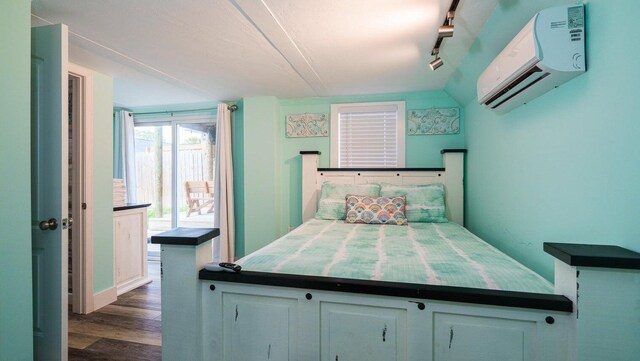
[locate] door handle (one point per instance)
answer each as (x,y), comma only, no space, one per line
(49,225)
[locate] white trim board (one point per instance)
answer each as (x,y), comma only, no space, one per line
(104,298)
(82,243)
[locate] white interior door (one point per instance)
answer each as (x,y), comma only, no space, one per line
(49,189)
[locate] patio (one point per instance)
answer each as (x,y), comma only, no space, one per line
(157,225)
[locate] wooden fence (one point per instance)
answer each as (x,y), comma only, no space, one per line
(194,164)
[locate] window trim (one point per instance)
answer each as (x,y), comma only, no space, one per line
(369,106)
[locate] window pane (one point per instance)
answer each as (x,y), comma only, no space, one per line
(196,156)
(153,174)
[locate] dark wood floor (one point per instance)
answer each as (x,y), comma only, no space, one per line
(128,329)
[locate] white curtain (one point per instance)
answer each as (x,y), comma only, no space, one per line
(224,250)
(128,155)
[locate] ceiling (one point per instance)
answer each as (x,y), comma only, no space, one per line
(190,51)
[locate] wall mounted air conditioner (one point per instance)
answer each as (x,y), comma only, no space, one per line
(546,53)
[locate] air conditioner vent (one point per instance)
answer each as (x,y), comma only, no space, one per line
(546,53)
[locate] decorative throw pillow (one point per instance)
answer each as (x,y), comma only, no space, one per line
(331,203)
(375,210)
(425,202)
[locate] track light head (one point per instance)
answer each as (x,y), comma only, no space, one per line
(445,31)
(436,63)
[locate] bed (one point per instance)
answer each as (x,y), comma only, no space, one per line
(420,253)
(332,291)
(335,291)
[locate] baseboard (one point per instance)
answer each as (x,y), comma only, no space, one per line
(104,298)
(133,284)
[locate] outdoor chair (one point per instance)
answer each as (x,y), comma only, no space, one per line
(199,196)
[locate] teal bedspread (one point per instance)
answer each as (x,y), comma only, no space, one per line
(424,253)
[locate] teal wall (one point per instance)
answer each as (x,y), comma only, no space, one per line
(102,150)
(566,166)
(16,336)
(421,151)
(261,172)
(268,191)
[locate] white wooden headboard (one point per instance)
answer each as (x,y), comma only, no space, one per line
(452,176)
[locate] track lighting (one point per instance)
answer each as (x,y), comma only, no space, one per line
(446,30)
(436,63)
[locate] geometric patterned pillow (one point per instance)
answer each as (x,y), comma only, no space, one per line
(375,210)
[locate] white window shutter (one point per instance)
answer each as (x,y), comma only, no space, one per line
(369,135)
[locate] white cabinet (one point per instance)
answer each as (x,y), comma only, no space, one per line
(355,332)
(486,333)
(464,337)
(130,244)
(259,328)
(244,322)
(283,324)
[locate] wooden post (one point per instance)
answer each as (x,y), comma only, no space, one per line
(157,181)
(454,184)
(310,161)
(210,149)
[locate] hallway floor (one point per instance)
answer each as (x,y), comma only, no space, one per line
(128,329)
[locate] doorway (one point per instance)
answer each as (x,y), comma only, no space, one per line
(80,240)
(175,171)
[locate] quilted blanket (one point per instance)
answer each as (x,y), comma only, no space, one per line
(423,253)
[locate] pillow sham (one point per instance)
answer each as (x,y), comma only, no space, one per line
(331,203)
(425,202)
(375,210)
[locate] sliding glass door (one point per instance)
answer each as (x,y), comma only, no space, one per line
(175,170)
(195,160)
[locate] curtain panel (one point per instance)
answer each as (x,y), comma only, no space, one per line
(124,152)
(223,188)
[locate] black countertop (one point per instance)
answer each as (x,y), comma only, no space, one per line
(131,206)
(185,236)
(592,255)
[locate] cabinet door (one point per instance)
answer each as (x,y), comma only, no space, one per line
(259,328)
(355,333)
(130,245)
(464,337)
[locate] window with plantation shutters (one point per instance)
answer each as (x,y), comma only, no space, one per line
(368,135)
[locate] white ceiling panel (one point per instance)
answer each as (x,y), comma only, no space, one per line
(182,51)
(357,46)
